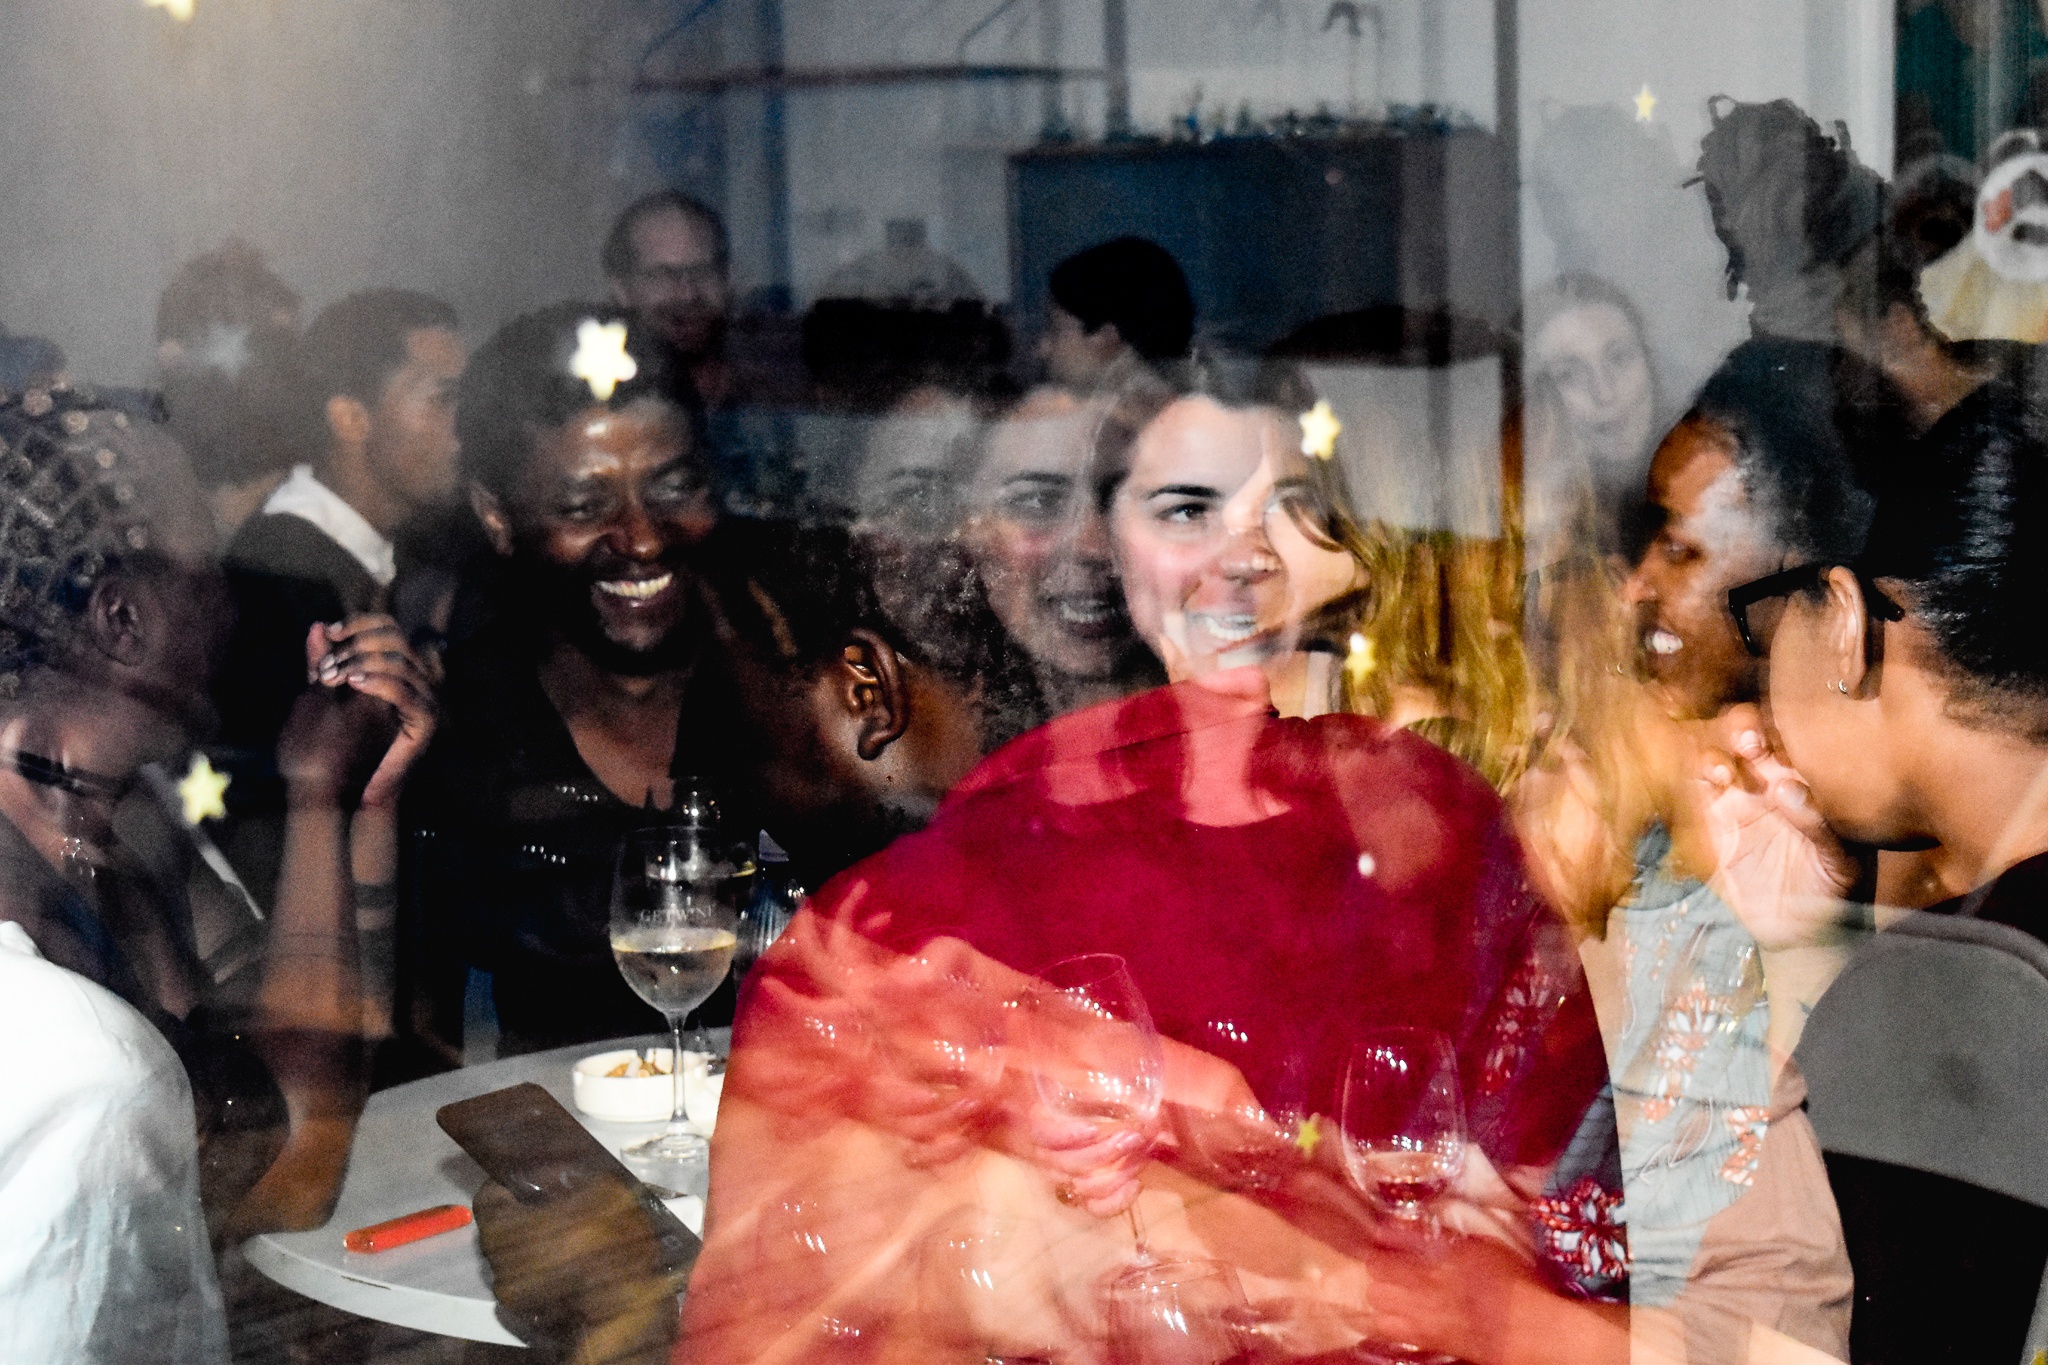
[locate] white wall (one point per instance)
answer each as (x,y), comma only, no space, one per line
(1833,57)
(480,147)
(431,143)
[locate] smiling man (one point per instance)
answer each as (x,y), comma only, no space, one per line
(575,705)
(667,259)
(1761,474)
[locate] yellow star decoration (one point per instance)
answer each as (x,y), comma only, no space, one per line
(201,790)
(1646,104)
(1319,430)
(181,10)
(1308,1135)
(601,360)
(1358,660)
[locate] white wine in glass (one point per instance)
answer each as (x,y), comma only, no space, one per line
(674,927)
(675,970)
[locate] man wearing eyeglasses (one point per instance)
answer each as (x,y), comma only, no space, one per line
(667,260)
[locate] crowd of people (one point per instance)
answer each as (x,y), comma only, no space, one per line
(335,667)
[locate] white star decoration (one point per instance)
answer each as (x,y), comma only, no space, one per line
(1646,104)
(225,348)
(1319,430)
(601,360)
(201,790)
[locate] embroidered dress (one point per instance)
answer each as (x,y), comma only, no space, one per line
(1692,1076)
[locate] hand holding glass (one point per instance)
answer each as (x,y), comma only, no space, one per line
(1095,1053)
(1403,1122)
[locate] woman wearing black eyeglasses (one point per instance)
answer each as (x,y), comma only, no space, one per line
(1908,701)
(1909,690)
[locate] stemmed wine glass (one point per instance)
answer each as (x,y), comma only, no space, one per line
(1256,1142)
(969,1268)
(1178,1313)
(676,899)
(939,1038)
(1403,1120)
(1096,1052)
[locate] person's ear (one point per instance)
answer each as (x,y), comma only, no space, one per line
(348,422)
(116,619)
(490,514)
(873,686)
(1847,632)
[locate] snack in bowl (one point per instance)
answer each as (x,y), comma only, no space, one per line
(629,1086)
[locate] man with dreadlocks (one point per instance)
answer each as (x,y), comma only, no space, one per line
(111,619)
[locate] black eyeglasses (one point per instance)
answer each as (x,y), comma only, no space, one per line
(1756,638)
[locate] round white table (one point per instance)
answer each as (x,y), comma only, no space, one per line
(402,1162)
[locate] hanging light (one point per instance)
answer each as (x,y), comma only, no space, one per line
(181,10)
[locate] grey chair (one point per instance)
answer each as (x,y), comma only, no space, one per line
(1927,1071)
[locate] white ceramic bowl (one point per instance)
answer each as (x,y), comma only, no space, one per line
(644,1099)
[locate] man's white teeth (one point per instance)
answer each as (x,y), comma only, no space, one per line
(1091,611)
(1663,642)
(637,589)
(1229,629)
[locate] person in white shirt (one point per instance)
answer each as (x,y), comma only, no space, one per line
(375,414)
(105,1257)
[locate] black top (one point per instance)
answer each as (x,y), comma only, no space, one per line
(2019,898)
(285,574)
(511,841)
(1945,1270)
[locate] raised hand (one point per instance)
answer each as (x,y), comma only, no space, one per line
(1777,864)
(362,660)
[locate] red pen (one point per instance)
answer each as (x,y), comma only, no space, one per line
(411,1228)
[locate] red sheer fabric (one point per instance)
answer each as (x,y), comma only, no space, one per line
(1275,885)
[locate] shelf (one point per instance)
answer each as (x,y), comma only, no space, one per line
(827,78)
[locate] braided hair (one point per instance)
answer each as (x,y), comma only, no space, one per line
(1760,163)
(68,514)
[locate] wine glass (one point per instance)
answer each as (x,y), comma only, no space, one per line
(716,856)
(968,1271)
(1177,1313)
(806,1259)
(674,926)
(1403,1121)
(939,1038)
(770,908)
(1255,1141)
(1096,1054)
